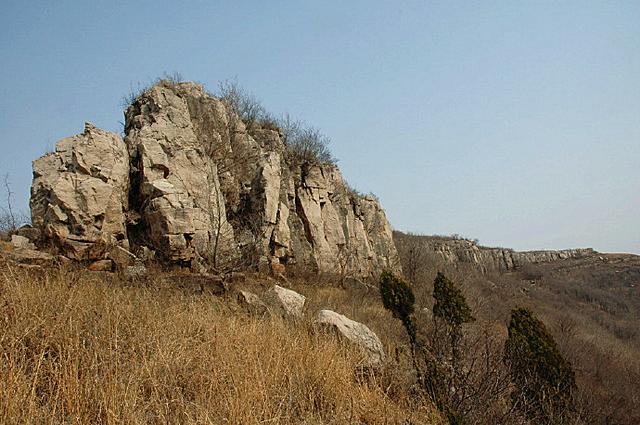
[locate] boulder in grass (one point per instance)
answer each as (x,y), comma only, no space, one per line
(252,302)
(356,333)
(287,302)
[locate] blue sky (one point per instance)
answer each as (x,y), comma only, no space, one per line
(517,123)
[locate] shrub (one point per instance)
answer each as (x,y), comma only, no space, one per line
(398,298)
(304,143)
(544,381)
(128,99)
(10,219)
(242,102)
(450,304)
(451,308)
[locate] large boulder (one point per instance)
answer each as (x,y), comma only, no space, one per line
(80,191)
(356,333)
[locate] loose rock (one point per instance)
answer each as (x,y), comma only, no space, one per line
(252,302)
(356,333)
(285,301)
(21,242)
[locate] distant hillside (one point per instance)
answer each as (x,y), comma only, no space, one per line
(455,249)
(589,300)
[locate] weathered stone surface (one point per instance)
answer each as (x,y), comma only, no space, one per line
(295,214)
(137,270)
(278,269)
(121,257)
(29,232)
(79,192)
(177,188)
(288,302)
(30,256)
(356,333)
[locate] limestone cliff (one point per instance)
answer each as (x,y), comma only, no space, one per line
(457,250)
(195,183)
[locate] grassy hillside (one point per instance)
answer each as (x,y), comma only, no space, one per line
(88,347)
(80,347)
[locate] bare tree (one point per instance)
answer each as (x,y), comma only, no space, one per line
(10,219)
(241,102)
(8,216)
(305,143)
(229,154)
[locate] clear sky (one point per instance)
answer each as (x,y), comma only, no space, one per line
(517,123)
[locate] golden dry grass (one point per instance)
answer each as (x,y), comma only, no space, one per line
(83,348)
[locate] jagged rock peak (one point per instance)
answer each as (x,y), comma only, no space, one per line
(195,183)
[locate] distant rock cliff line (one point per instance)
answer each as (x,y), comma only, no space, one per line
(456,250)
(203,188)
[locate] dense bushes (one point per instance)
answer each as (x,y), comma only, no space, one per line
(438,369)
(398,298)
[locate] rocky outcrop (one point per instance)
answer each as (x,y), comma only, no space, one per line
(192,182)
(464,251)
(79,192)
(356,333)
(210,187)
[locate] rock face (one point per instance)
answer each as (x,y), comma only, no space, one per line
(456,250)
(196,184)
(79,192)
(175,187)
(356,333)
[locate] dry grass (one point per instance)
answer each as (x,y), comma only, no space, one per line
(81,348)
